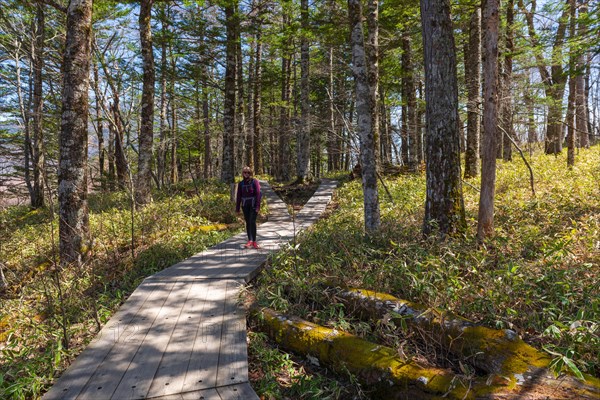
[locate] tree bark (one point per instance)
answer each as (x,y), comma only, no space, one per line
(37,140)
(444,207)
(372,64)
(507,131)
(143,194)
(473,81)
(257,108)
(581,112)
(410,98)
(368,160)
(303,141)
(229,117)
(485,225)
(73,145)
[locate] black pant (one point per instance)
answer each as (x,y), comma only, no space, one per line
(250,215)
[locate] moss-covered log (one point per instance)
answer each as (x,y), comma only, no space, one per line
(500,353)
(377,366)
(381,368)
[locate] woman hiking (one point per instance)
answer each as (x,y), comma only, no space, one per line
(248,197)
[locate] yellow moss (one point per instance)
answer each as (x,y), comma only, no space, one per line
(208,228)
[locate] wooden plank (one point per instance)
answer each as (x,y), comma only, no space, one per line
(137,380)
(174,365)
(205,394)
(112,368)
(241,391)
(233,354)
(74,379)
(202,370)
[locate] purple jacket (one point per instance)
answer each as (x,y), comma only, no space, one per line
(248,191)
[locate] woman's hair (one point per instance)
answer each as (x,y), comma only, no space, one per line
(248,169)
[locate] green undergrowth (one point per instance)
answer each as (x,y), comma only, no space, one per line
(49,313)
(538,274)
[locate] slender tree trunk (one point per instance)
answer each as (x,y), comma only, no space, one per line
(283,164)
(257,108)
(174,170)
(473,81)
(25,115)
(331,161)
(119,130)
(240,126)
(303,140)
(207,144)
(372,64)
(571,102)
(161,156)
(229,118)
(99,127)
(143,194)
(364,116)
(507,131)
(444,207)
(37,198)
(485,225)
(411,102)
(581,114)
(73,145)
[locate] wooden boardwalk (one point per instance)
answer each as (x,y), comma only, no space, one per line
(181,334)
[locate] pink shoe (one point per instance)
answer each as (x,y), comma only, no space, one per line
(249,244)
(255,245)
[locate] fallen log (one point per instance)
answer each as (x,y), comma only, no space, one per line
(377,366)
(392,377)
(501,353)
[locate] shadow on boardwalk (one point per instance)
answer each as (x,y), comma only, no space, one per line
(181,334)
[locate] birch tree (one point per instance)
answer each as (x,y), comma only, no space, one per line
(364,122)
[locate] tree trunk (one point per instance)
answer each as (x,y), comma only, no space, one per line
(444,207)
(37,144)
(99,127)
(143,194)
(368,160)
(282,165)
(161,154)
(229,117)
(240,115)
(571,102)
(411,102)
(473,81)
(174,169)
(257,108)
(507,131)
(581,112)
(485,225)
(119,130)
(303,139)
(73,145)
(372,65)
